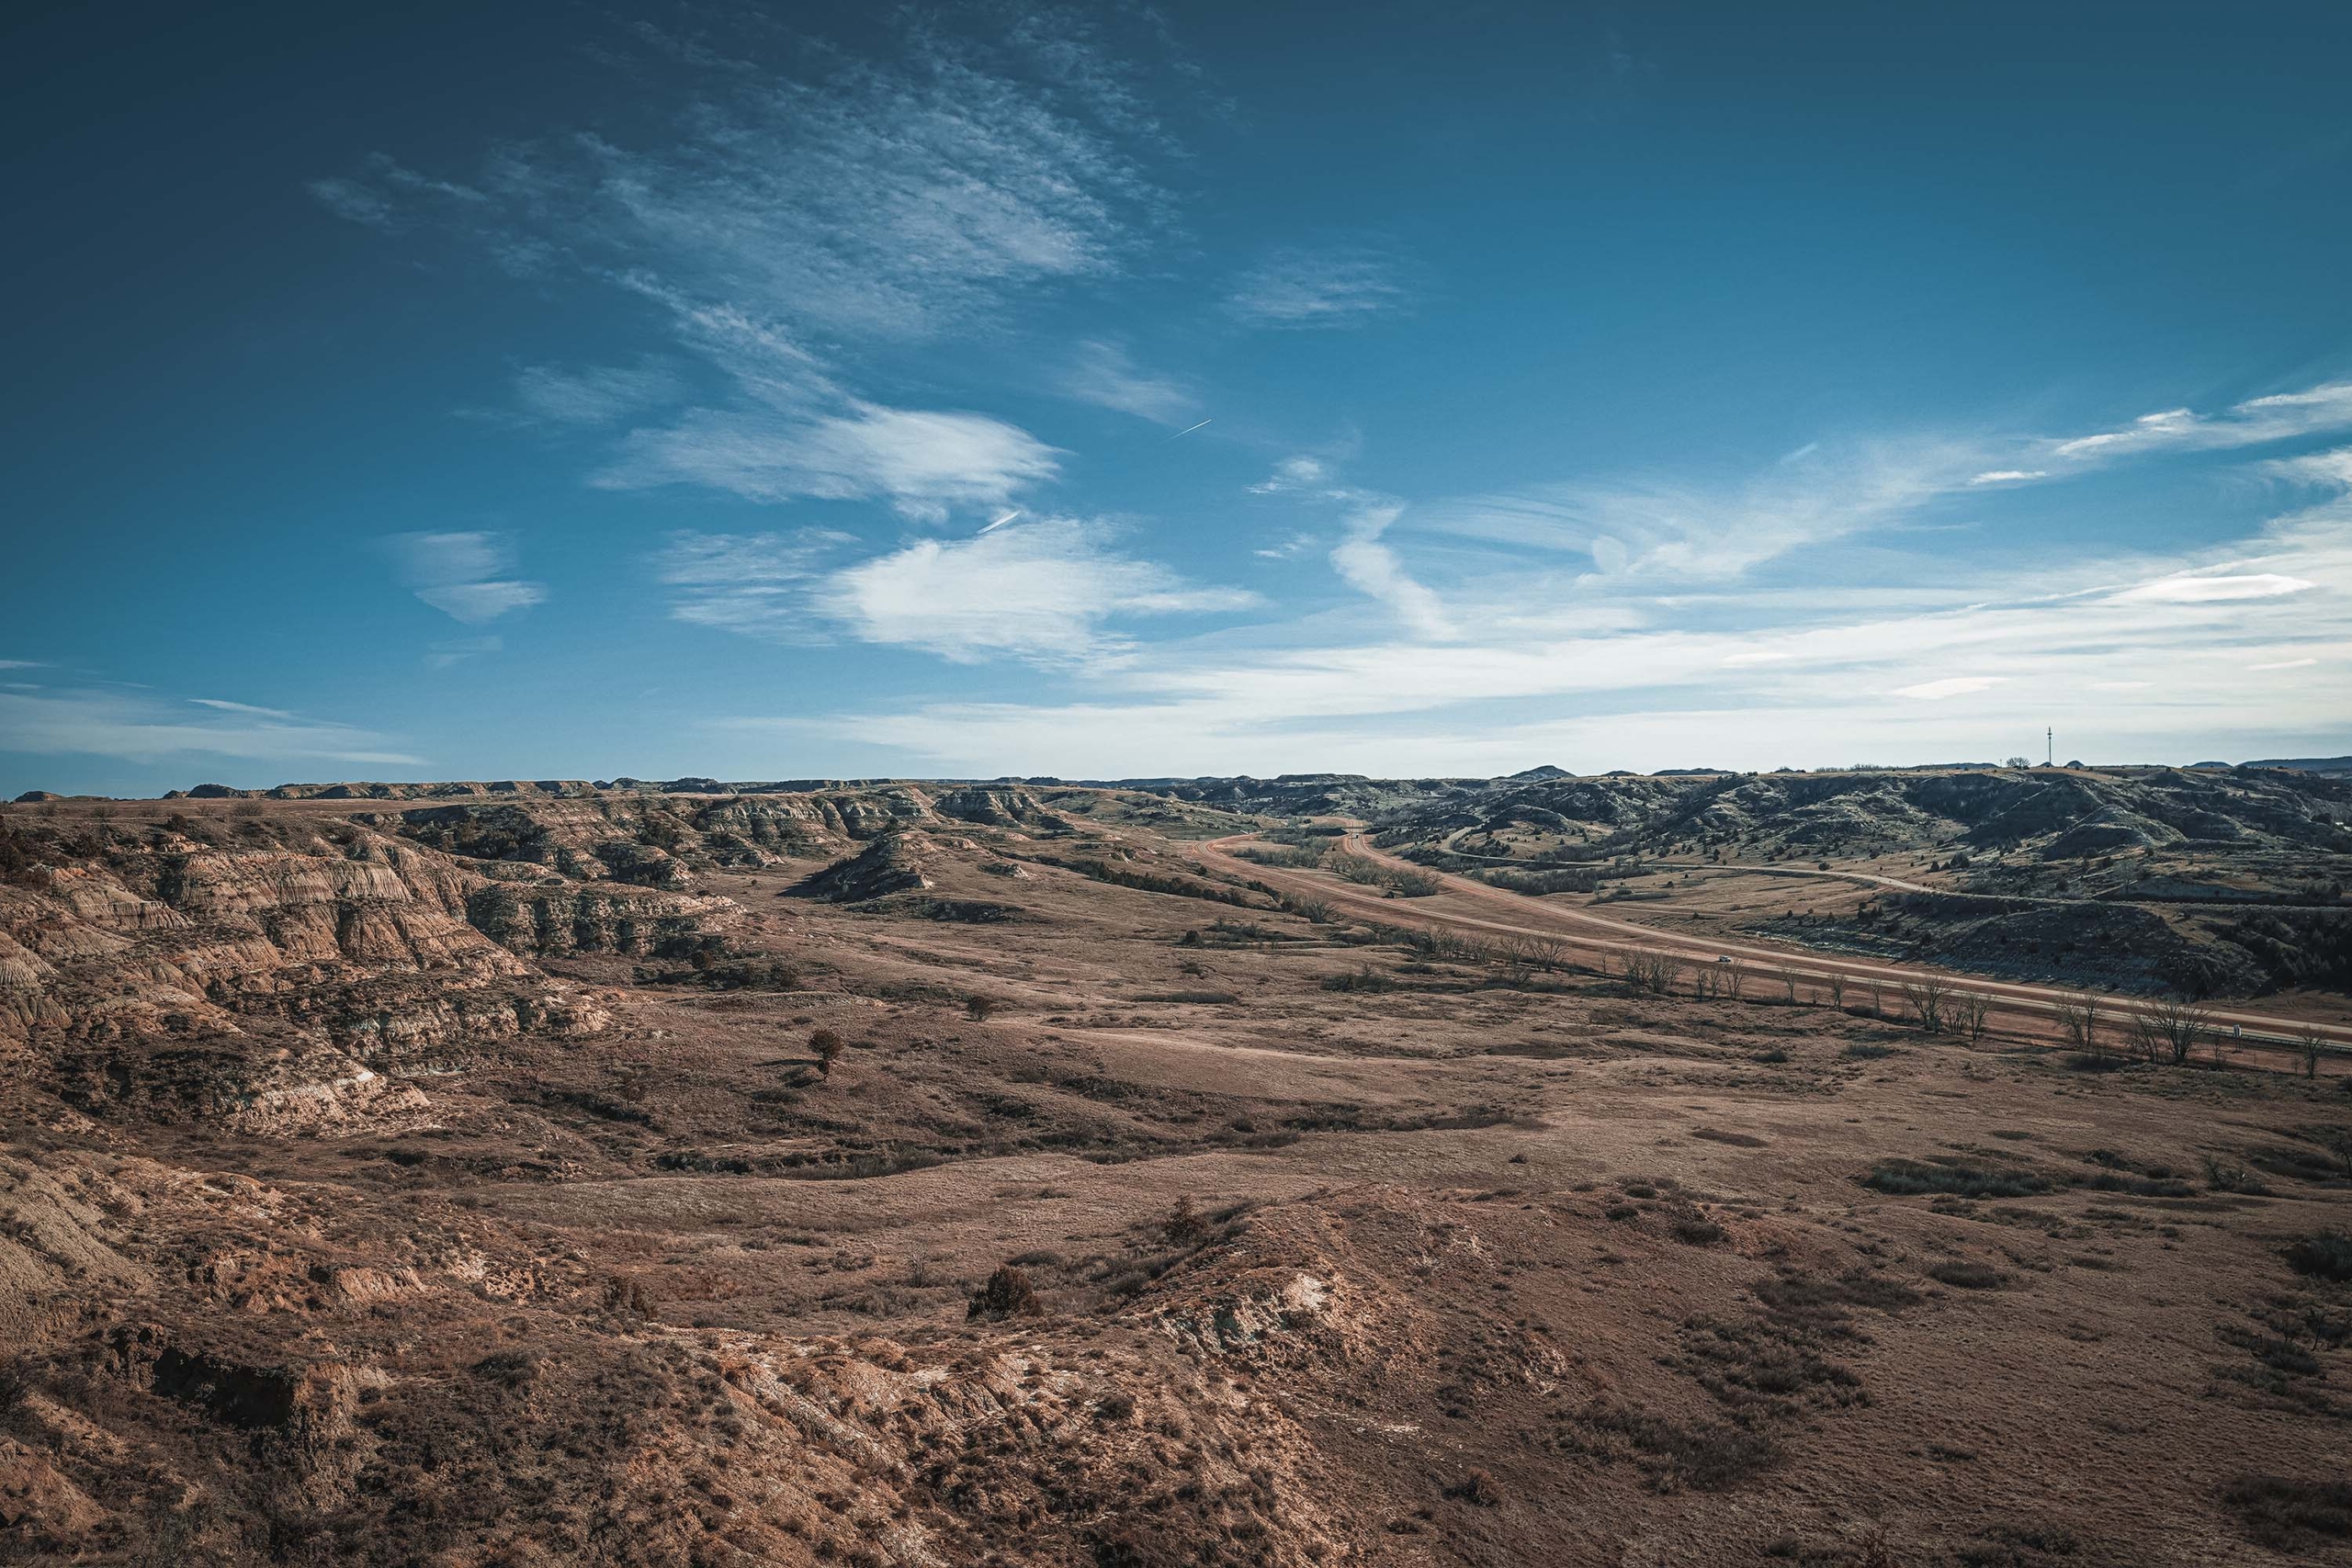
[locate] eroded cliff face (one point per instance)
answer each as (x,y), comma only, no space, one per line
(288,974)
(659,840)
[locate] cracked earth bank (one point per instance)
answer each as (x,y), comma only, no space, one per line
(919,1175)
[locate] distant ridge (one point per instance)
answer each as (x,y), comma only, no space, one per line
(2333,766)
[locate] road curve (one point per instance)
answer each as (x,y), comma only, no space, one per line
(1478,907)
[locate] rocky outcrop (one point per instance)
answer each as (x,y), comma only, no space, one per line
(566,919)
(587,840)
(891,864)
(995,805)
(270,979)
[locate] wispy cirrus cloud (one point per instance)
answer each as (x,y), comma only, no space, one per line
(1306,287)
(1948,686)
(139,726)
(2282,416)
(1103,373)
(379,194)
(1672,528)
(847,204)
(1656,528)
(754,584)
(246,708)
(466,576)
(1952,666)
(452,652)
(1361,558)
(1048,591)
(921,464)
(2214,588)
(596,394)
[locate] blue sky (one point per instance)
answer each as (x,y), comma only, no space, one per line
(580,391)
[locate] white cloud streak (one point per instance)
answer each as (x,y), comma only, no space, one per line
(858,205)
(2283,416)
(922,464)
(135,727)
(1295,288)
(1104,374)
(755,585)
(598,395)
(1671,528)
(463,574)
(1042,591)
(1946,671)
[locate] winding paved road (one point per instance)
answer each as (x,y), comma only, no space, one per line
(1476,908)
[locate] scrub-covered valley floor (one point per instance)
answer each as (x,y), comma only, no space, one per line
(931,1175)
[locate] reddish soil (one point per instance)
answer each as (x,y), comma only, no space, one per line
(1331,1249)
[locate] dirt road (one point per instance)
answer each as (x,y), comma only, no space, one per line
(1477,909)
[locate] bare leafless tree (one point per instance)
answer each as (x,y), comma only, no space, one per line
(2309,1044)
(1789,978)
(1927,997)
(1734,976)
(1653,972)
(1837,990)
(2078,1019)
(2167,1030)
(1972,1011)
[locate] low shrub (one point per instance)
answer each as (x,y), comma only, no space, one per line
(1708,1457)
(2291,1515)
(1964,1275)
(827,1044)
(2323,1255)
(1908,1177)
(1008,1293)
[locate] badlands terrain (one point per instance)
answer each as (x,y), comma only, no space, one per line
(1930,1167)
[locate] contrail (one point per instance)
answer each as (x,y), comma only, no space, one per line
(1000,522)
(1186,431)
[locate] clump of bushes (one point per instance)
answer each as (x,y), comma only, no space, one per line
(1183,1224)
(2291,1515)
(1952,1178)
(1008,1293)
(1708,1457)
(1374,873)
(2323,1255)
(508,1369)
(1314,911)
(828,1047)
(1296,857)
(1965,1275)
(1535,884)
